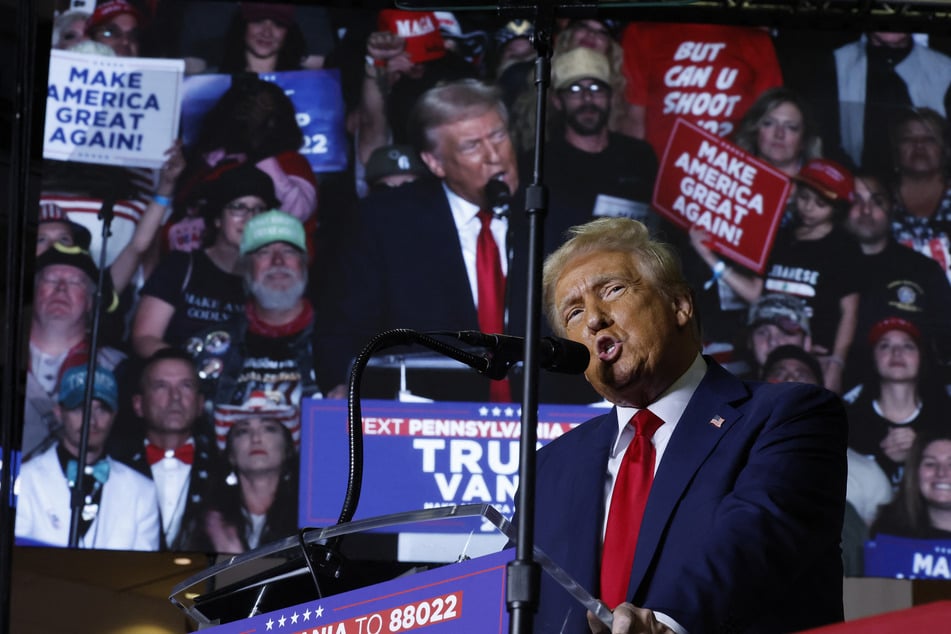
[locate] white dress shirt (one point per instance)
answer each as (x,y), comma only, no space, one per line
(171,477)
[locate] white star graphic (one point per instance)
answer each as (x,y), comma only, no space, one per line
(496,411)
(509,411)
(306,615)
(294,618)
(483,411)
(270,624)
(319,612)
(281,621)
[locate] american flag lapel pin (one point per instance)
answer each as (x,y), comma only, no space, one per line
(716,421)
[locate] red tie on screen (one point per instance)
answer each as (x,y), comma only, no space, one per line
(491,284)
(185,453)
(633,485)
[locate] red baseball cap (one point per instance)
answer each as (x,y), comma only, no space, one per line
(828,178)
(420,29)
(282,14)
(108,11)
(888,324)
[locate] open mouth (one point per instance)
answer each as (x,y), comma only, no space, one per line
(608,349)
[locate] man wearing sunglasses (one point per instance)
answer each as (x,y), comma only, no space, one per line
(592,171)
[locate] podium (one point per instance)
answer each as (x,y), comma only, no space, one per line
(275,588)
(340,568)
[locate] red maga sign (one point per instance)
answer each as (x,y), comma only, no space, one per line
(706,182)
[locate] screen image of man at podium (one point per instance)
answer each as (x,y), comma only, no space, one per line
(415,260)
(724,512)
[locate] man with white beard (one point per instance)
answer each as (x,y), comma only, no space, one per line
(270,347)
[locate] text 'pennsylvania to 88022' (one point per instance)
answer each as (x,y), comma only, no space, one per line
(404,618)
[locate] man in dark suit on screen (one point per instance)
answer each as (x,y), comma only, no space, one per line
(415,262)
(738,487)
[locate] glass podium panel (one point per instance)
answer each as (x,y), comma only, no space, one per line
(337,583)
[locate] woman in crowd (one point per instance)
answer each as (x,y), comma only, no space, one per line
(814,259)
(190,291)
(899,403)
(263,38)
(922,188)
(777,130)
(922,507)
(257,502)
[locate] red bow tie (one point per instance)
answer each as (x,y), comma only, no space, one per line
(185,453)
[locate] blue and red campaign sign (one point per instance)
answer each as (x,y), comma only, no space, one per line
(419,455)
(907,558)
(468,596)
(707,182)
(318,104)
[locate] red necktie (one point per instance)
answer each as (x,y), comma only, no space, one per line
(633,485)
(491,283)
(185,453)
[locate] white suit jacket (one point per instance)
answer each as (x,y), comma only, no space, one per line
(128,517)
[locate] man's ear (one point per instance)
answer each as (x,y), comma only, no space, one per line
(434,164)
(137,404)
(683,309)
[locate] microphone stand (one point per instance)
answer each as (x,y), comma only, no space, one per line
(484,364)
(523,574)
(324,558)
(76,499)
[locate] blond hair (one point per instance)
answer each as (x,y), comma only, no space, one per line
(657,260)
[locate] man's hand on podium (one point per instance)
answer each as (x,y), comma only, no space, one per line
(629,620)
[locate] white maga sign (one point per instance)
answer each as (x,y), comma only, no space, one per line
(112,110)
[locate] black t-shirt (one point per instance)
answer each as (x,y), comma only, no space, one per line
(618,181)
(270,364)
(821,272)
(903,283)
(868,428)
(201,293)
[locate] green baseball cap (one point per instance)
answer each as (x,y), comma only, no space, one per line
(272,226)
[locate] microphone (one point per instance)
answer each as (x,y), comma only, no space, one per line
(498,196)
(554,353)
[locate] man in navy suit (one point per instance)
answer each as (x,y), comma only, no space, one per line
(741,527)
(413,262)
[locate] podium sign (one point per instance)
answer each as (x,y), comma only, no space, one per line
(419,455)
(465,597)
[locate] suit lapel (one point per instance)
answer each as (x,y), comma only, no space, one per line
(448,252)
(587,502)
(709,415)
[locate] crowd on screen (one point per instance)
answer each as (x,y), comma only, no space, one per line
(251,282)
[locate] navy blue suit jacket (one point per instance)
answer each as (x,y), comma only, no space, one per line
(742,527)
(405,270)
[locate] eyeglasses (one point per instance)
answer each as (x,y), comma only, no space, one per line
(240,210)
(577,90)
(56,280)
